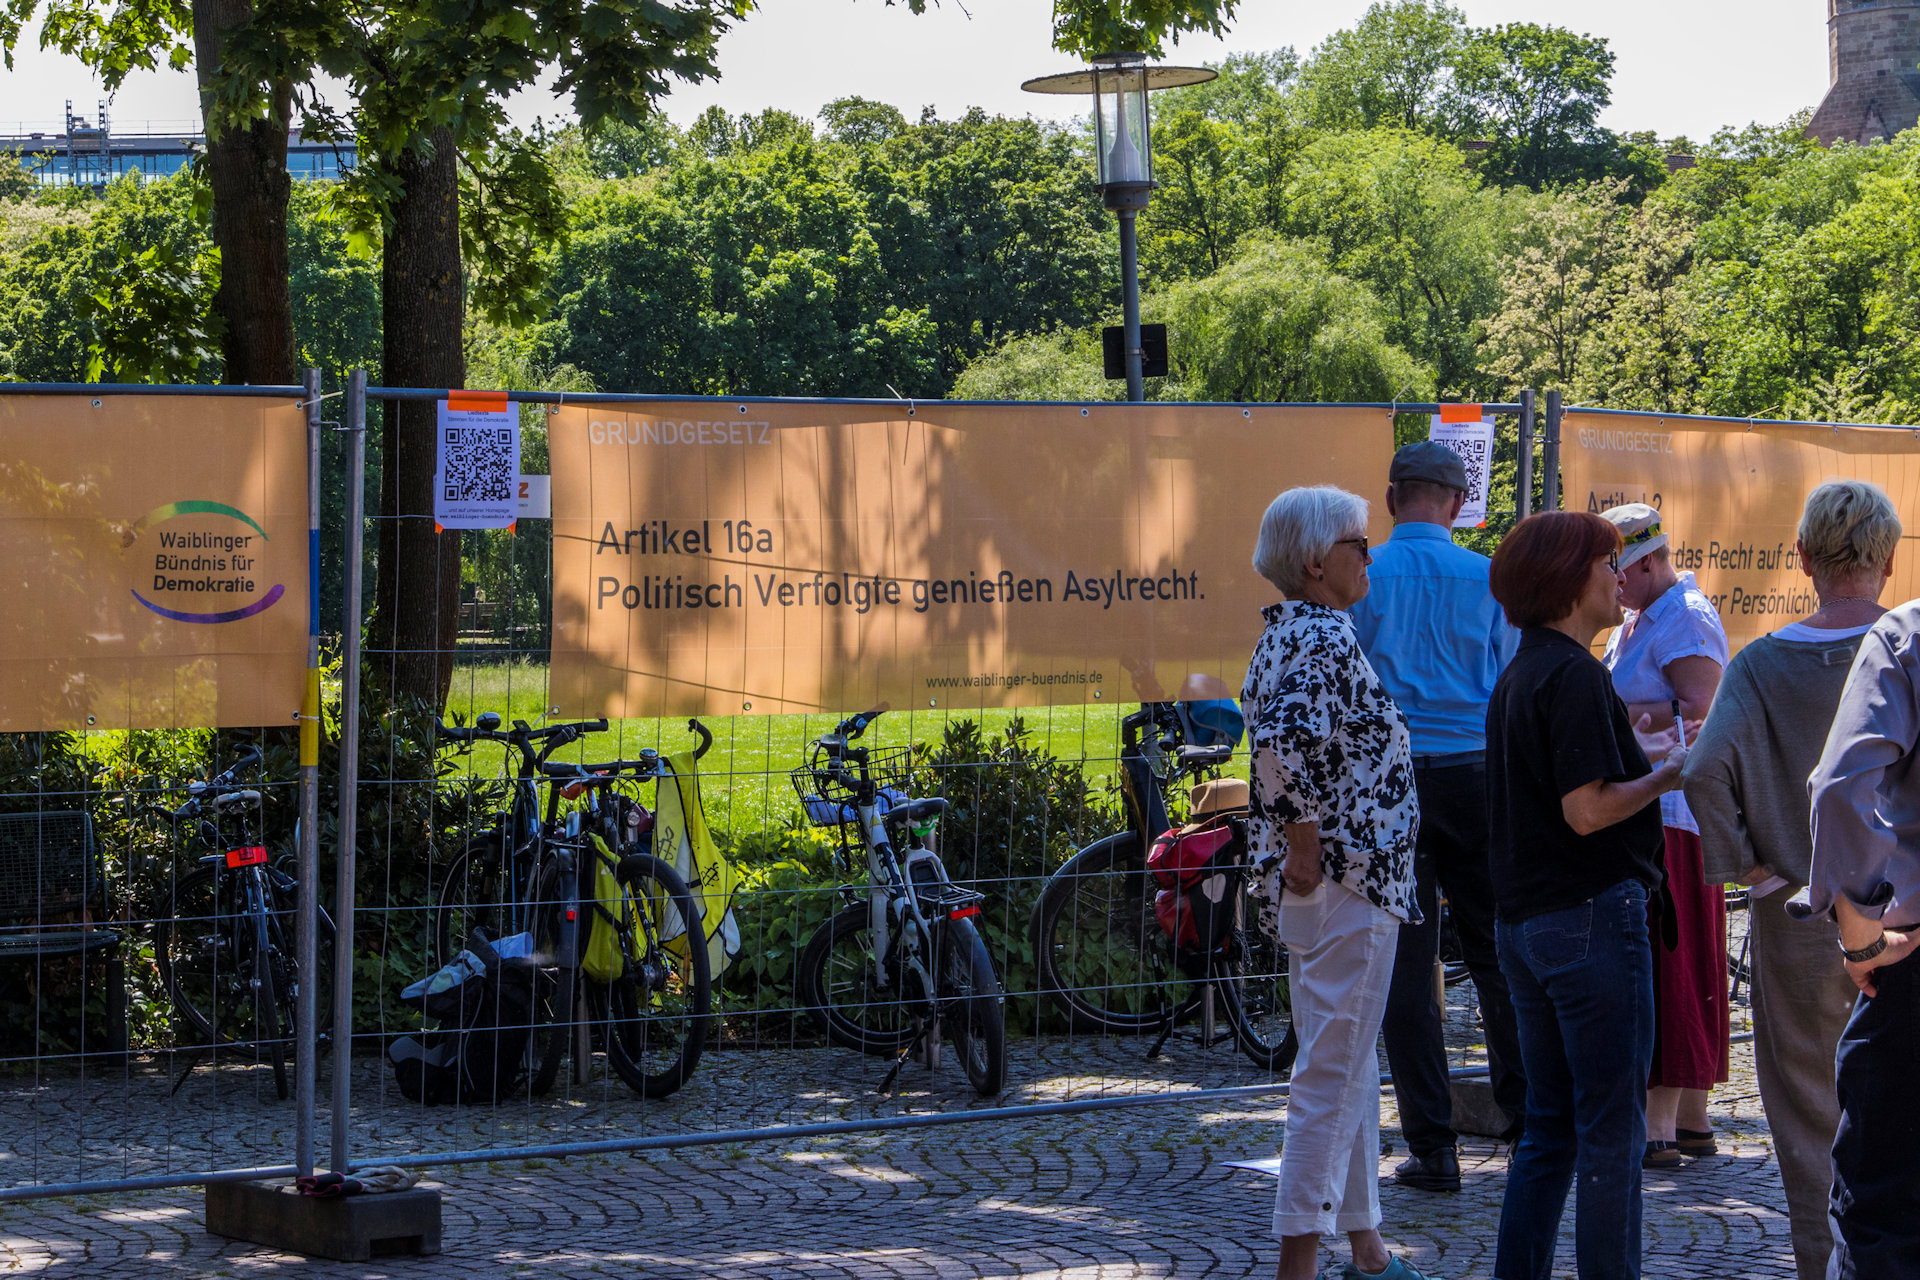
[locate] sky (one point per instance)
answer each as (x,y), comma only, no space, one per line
(1683,67)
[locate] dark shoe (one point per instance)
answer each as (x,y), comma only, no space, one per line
(1437,1172)
(1695,1142)
(1662,1155)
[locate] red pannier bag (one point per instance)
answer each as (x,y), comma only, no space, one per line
(1197,868)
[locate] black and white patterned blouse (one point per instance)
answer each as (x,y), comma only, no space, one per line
(1329,746)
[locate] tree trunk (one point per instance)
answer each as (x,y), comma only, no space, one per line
(422,311)
(246,166)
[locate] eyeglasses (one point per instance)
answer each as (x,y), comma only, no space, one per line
(1613,561)
(1358,542)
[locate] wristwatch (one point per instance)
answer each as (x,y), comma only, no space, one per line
(1867,952)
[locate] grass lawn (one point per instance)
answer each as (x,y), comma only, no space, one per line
(745,776)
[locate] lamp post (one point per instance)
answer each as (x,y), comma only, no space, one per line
(1123,148)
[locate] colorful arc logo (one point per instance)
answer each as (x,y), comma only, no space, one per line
(222,558)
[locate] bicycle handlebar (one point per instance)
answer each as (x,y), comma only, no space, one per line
(520,733)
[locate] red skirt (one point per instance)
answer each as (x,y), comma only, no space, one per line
(1690,1048)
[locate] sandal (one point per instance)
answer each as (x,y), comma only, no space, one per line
(1661,1155)
(1695,1142)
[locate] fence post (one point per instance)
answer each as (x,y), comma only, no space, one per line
(1523,465)
(349,768)
(306,937)
(1550,455)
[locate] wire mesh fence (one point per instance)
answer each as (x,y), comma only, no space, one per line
(533,934)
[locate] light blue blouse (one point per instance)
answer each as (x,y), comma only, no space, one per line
(1682,623)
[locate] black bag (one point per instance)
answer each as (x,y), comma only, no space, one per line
(479,1052)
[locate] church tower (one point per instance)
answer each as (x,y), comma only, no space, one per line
(1873,56)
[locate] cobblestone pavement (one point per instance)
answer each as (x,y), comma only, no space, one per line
(1133,1192)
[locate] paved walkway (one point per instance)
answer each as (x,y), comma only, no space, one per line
(1134,1192)
(1122,1193)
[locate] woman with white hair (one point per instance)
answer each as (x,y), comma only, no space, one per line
(1666,658)
(1746,782)
(1331,830)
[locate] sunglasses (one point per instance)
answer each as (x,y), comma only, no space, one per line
(1358,542)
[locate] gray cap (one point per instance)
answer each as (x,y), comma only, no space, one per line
(1433,463)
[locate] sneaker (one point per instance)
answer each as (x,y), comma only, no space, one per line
(1437,1172)
(1695,1142)
(1662,1155)
(1397,1269)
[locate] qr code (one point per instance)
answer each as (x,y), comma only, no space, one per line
(1474,454)
(479,464)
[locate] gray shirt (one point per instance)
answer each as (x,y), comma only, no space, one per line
(1866,804)
(1746,776)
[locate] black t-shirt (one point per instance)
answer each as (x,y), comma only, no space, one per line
(1555,724)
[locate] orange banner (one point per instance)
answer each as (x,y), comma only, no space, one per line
(1730,496)
(156,561)
(714,557)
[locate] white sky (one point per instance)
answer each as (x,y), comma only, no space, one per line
(1682,66)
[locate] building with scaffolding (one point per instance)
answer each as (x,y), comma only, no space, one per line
(89,153)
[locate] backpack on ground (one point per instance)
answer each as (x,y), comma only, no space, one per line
(483,1006)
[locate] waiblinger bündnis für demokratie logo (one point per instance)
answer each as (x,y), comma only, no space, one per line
(202,565)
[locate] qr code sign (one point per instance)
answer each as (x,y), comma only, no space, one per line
(1474,454)
(480,464)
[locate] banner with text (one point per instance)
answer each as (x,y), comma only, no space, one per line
(1730,496)
(713,558)
(157,559)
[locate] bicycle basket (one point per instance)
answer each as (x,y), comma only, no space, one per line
(828,800)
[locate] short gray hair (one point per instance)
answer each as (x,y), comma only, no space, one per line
(1300,528)
(1849,526)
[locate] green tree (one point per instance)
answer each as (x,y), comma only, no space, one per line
(1535,94)
(1279,324)
(122,281)
(1553,295)
(1397,210)
(1393,67)
(1065,365)
(861,122)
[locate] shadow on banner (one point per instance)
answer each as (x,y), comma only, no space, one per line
(714,558)
(1730,495)
(156,561)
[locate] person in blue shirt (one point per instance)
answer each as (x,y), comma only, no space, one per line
(1433,631)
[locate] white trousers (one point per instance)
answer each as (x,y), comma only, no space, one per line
(1340,959)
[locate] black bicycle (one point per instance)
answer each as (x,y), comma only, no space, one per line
(901,965)
(646,984)
(1102,952)
(225,949)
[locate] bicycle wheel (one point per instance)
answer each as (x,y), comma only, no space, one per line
(1101,954)
(977,1029)
(553,1024)
(838,982)
(653,1019)
(205,963)
(1255,987)
(476,891)
(266,1005)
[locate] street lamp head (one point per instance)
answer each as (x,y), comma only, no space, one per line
(1123,145)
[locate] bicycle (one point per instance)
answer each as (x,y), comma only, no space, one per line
(225,945)
(902,963)
(1100,950)
(492,883)
(652,1013)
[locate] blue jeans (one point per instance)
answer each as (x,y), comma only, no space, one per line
(1582,984)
